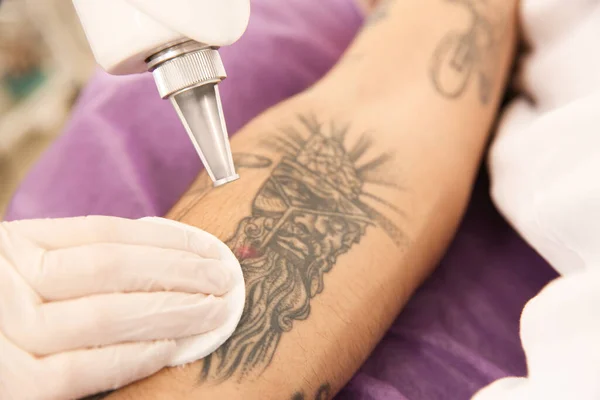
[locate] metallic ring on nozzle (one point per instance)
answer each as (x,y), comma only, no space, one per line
(189,70)
(188,74)
(172,50)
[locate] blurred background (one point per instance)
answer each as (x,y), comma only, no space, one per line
(44,62)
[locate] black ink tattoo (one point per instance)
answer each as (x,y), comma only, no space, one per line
(312,209)
(472,54)
(323,393)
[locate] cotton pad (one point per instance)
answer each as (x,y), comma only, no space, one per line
(197,347)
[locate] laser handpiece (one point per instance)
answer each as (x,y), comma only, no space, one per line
(178,42)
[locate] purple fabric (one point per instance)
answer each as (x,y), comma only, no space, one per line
(459,331)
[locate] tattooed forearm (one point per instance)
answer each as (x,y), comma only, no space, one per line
(245,160)
(471,54)
(312,209)
(204,184)
(323,393)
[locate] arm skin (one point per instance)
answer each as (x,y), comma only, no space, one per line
(350,194)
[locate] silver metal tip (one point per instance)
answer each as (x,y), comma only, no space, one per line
(188,73)
(200,110)
(223,181)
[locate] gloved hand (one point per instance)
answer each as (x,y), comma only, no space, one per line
(91,304)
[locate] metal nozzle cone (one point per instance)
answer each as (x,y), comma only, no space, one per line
(200,110)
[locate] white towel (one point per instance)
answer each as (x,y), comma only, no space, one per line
(545,171)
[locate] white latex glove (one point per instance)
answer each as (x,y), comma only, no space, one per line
(92,304)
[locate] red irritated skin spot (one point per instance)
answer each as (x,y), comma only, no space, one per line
(246,252)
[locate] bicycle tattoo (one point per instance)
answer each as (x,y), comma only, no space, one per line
(462,56)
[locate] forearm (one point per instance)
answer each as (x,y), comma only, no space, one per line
(349,195)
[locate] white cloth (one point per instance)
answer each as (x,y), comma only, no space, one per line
(545,171)
(92,304)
